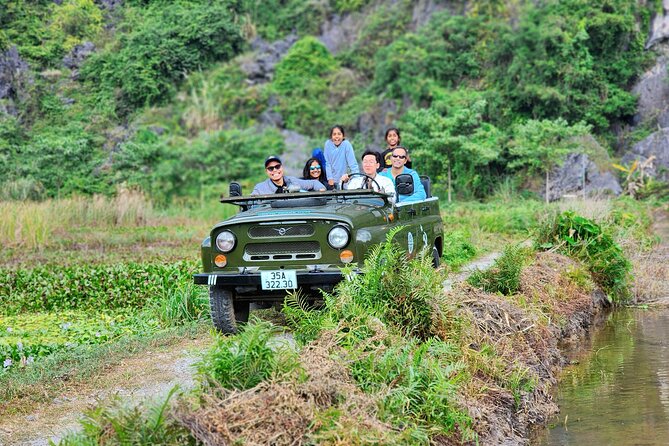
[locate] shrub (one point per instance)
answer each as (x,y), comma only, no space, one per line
(504,276)
(585,240)
(401,291)
(245,360)
(169,167)
(418,383)
(457,249)
(301,82)
(119,423)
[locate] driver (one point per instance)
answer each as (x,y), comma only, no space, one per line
(277,183)
(370,165)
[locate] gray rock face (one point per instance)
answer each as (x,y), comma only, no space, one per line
(341,31)
(659,27)
(297,152)
(653,91)
(14,80)
(372,124)
(579,175)
(78,54)
(260,67)
(109,5)
(656,145)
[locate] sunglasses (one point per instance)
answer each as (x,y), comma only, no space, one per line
(274,167)
(402,157)
(314,167)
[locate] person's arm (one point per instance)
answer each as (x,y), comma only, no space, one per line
(355,183)
(329,165)
(308,184)
(388,187)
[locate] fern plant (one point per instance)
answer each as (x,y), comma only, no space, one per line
(243,361)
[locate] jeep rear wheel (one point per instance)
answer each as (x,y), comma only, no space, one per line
(226,312)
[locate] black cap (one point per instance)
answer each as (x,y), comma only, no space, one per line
(272,158)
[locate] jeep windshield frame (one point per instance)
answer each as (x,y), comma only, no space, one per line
(340,196)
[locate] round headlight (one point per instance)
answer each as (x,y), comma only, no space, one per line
(338,237)
(225,241)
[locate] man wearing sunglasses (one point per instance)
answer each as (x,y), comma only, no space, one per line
(398,160)
(277,183)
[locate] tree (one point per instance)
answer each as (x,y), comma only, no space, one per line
(453,137)
(542,145)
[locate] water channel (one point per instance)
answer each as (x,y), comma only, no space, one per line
(617,390)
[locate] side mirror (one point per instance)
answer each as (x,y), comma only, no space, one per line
(404,184)
(235,189)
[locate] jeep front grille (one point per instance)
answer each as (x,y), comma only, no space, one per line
(282,251)
(304,230)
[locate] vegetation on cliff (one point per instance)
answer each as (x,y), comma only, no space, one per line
(162,104)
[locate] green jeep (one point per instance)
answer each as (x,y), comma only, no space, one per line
(291,241)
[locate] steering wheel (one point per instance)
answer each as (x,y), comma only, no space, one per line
(365,184)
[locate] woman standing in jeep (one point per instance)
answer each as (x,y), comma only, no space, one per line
(339,157)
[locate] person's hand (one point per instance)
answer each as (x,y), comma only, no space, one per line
(344,178)
(331,183)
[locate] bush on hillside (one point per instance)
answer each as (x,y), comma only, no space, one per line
(301,82)
(164,45)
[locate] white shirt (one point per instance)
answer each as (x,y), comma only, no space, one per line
(384,183)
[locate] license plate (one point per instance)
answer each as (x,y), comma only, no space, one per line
(284,279)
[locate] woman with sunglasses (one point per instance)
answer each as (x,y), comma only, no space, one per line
(314,171)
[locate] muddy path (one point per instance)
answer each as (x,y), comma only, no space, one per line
(151,373)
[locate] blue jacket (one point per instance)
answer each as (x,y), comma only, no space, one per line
(268,187)
(339,160)
(418,189)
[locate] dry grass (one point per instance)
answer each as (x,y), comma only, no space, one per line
(592,208)
(289,412)
(514,339)
(651,275)
(29,224)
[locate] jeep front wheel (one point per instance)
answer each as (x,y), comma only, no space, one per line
(436,259)
(226,312)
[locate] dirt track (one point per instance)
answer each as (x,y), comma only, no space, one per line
(149,374)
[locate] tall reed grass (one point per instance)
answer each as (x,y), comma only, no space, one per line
(30,224)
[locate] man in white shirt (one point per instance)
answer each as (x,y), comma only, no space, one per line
(370,164)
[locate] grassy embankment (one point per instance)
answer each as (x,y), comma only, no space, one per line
(396,361)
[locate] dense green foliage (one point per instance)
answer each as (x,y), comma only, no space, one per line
(472,91)
(586,240)
(28,337)
(87,287)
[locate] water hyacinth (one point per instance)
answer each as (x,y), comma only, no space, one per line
(8,363)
